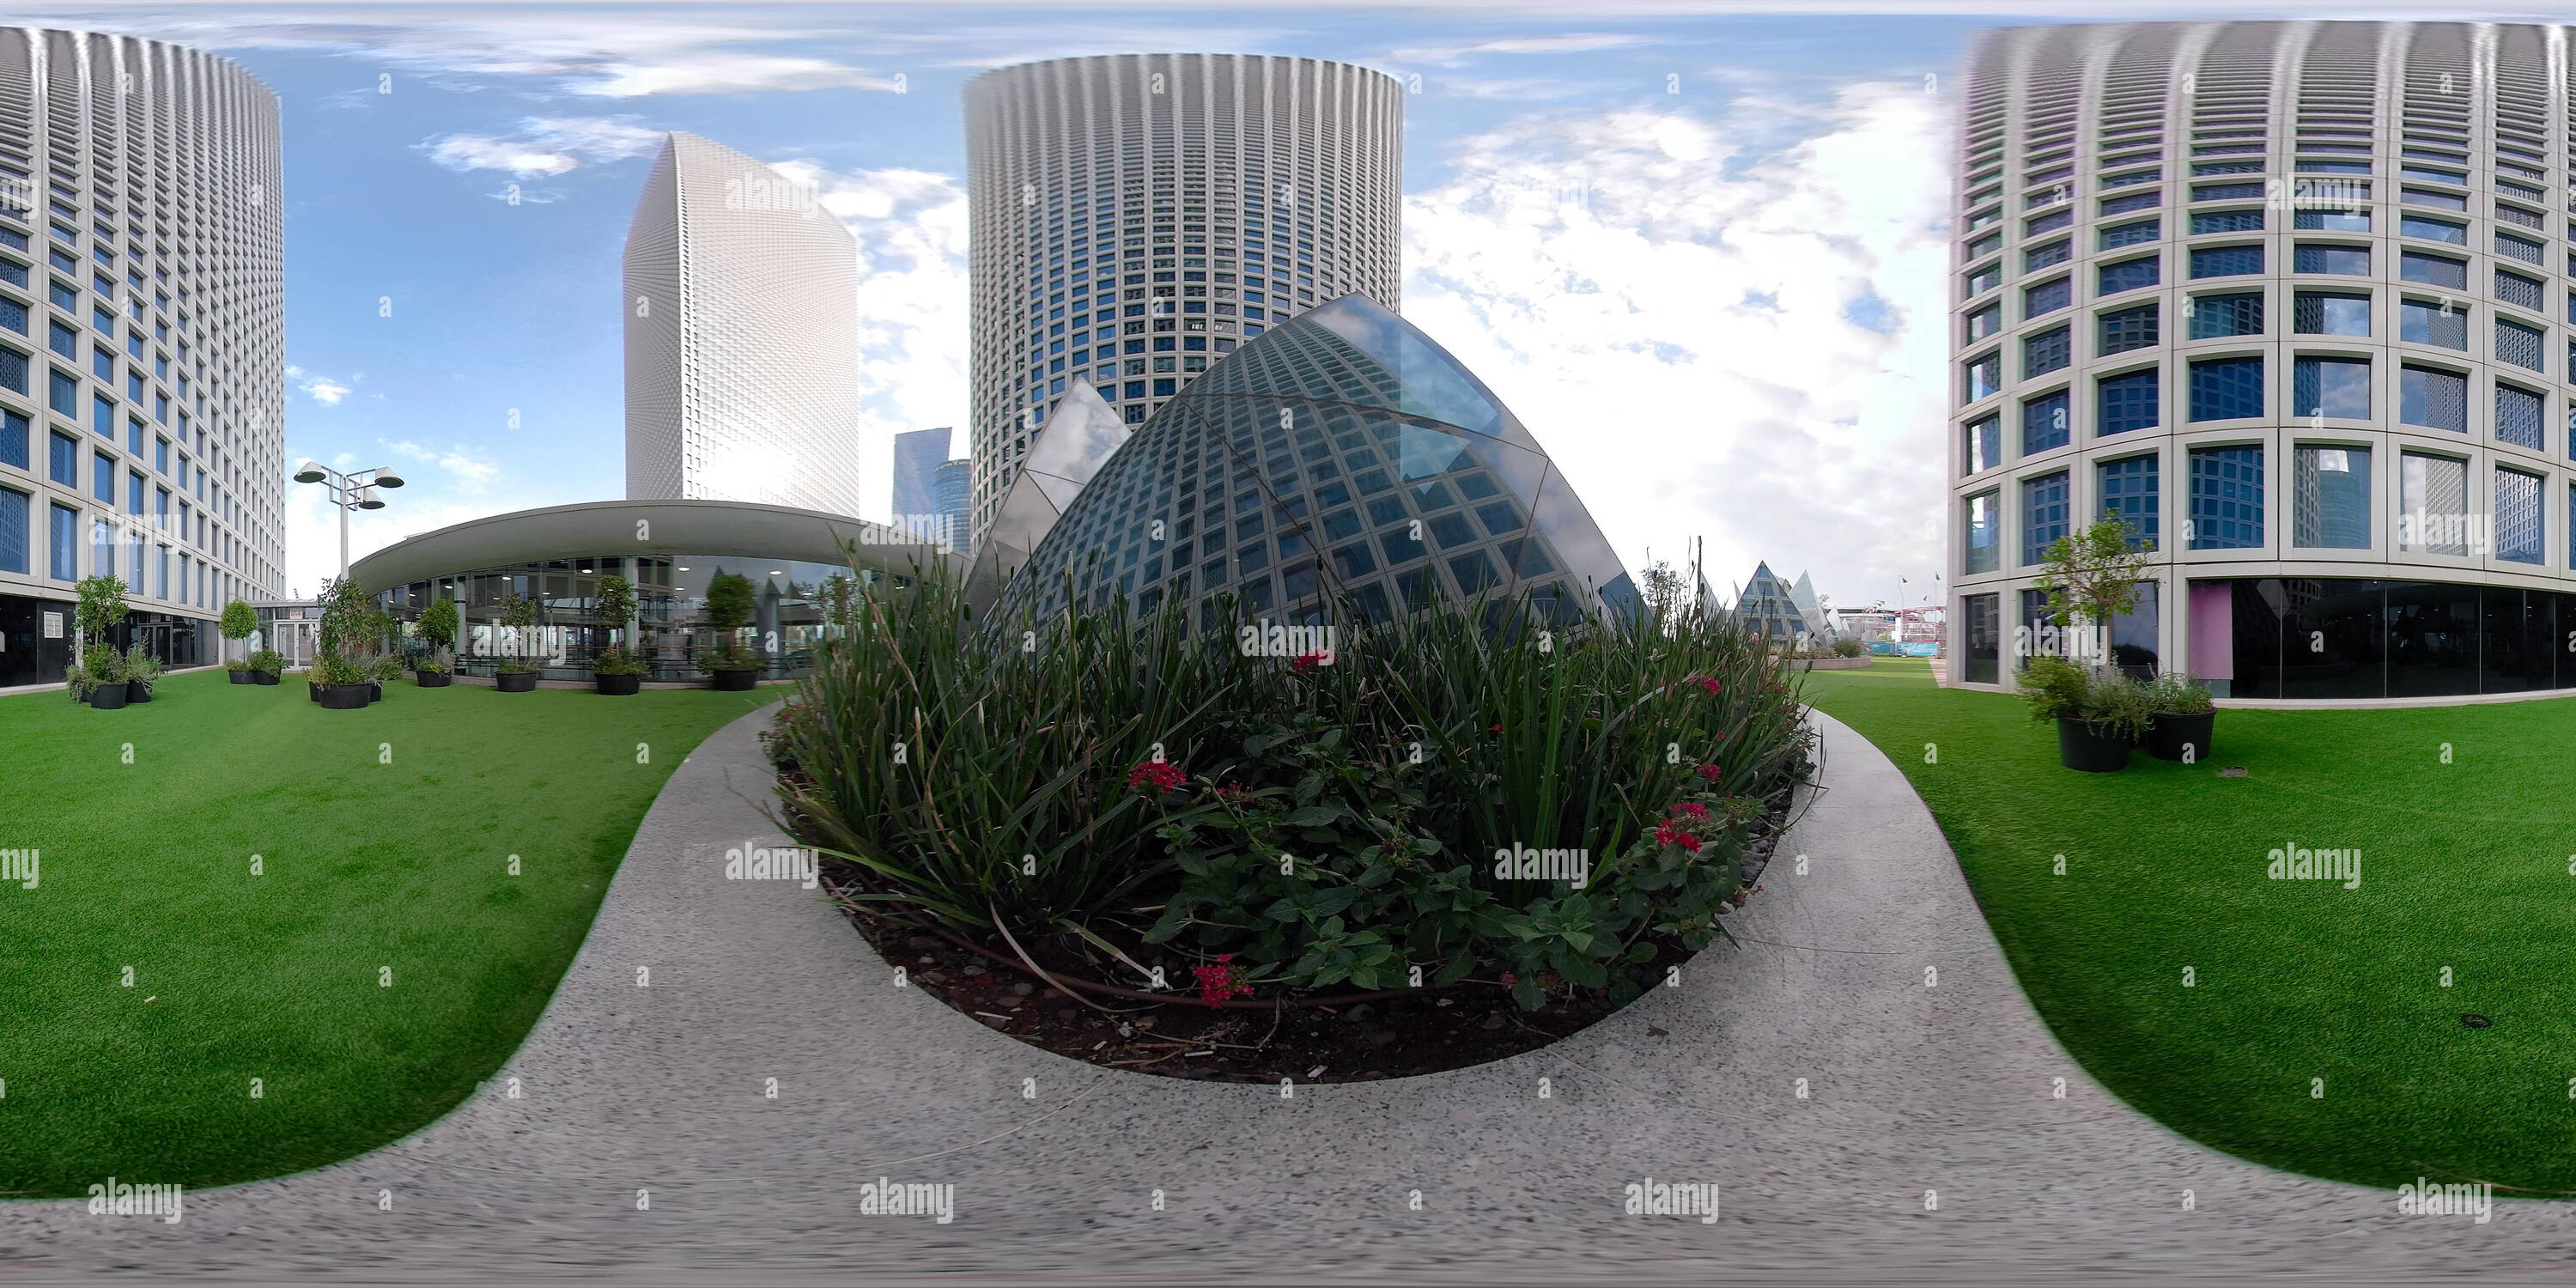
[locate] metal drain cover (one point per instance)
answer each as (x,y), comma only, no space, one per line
(2475,1021)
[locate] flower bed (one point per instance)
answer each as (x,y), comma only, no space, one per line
(1472,804)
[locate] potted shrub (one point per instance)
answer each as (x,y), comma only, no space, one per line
(141,669)
(615,670)
(2097,716)
(105,668)
(340,684)
(237,623)
(76,682)
(386,669)
(517,674)
(435,669)
(729,607)
(438,625)
(2184,718)
(266,665)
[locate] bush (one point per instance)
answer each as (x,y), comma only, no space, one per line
(77,678)
(438,624)
(141,665)
(239,620)
(385,667)
(237,664)
(1848,648)
(2052,688)
(269,660)
(617,661)
(2177,693)
(328,670)
(730,657)
(730,602)
(1329,819)
(436,661)
(105,666)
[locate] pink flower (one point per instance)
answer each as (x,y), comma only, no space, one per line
(1233,794)
(1708,684)
(1711,772)
(1221,981)
(1692,809)
(1510,979)
(1158,775)
(1312,658)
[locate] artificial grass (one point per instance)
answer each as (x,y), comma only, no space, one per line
(384,836)
(2468,840)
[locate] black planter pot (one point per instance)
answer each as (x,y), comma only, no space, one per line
(265,677)
(619,685)
(314,689)
(432,679)
(737,681)
(108,697)
(137,691)
(342,697)
(2170,735)
(2095,751)
(375,691)
(515,681)
(240,677)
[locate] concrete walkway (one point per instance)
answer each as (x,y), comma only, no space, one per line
(1911,1089)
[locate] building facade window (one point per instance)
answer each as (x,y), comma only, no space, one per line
(2128,488)
(2045,513)
(2226,498)
(2330,498)
(2045,423)
(2226,261)
(2129,275)
(2226,388)
(1984,444)
(1985,533)
(2433,398)
(2346,261)
(2434,322)
(2338,387)
(2234,313)
(2330,313)
(2122,330)
(2517,417)
(2128,402)
(2047,297)
(2518,537)
(2432,504)
(2045,352)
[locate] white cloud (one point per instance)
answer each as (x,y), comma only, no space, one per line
(729,73)
(1569,43)
(472,466)
(546,146)
(321,389)
(1675,320)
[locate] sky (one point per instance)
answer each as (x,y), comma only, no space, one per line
(1700,255)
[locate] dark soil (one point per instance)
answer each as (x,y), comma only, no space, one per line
(1424,1031)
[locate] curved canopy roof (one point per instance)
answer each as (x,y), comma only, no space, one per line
(602,528)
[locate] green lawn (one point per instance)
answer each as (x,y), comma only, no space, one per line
(147,820)
(2467,825)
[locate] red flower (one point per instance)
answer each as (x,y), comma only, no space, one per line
(1510,979)
(1711,772)
(1708,684)
(1233,794)
(1667,834)
(1312,658)
(1221,981)
(1692,809)
(1159,775)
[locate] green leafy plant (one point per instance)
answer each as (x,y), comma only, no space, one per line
(141,665)
(239,620)
(437,661)
(237,664)
(2092,575)
(386,666)
(105,665)
(2177,693)
(101,608)
(269,660)
(730,656)
(439,624)
(2053,688)
(730,602)
(519,613)
(614,660)
(1107,784)
(1848,648)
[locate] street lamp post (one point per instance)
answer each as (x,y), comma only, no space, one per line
(349,492)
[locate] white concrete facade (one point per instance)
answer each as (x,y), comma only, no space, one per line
(741,316)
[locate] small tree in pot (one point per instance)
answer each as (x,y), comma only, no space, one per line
(438,625)
(102,606)
(518,674)
(729,605)
(2099,713)
(615,670)
(2091,577)
(238,622)
(141,669)
(2185,716)
(342,677)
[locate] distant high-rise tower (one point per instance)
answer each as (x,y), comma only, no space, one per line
(1137,216)
(917,458)
(950,485)
(741,338)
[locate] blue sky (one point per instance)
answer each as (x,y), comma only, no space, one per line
(1730,330)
